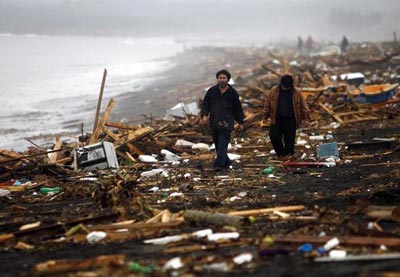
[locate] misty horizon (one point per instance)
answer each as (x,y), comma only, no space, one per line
(253,20)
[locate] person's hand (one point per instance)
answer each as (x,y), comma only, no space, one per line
(204,121)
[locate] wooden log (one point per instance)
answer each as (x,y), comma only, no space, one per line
(213,218)
(269,210)
(103,120)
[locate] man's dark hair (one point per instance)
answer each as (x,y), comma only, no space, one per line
(224,72)
(287,81)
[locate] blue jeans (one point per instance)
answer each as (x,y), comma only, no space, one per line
(221,139)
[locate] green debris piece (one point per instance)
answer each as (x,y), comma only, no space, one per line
(54,190)
(268,170)
(252,219)
(136,267)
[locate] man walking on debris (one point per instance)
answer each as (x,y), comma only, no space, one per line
(287,109)
(220,109)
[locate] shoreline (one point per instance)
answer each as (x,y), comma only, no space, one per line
(193,72)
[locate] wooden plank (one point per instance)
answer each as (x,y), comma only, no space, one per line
(132,159)
(57,146)
(136,135)
(350,240)
(134,149)
(10,154)
(157,217)
(103,120)
(109,133)
(202,157)
(180,134)
(380,164)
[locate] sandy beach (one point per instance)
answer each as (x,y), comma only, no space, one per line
(187,81)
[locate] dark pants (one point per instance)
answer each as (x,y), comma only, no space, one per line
(284,129)
(221,139)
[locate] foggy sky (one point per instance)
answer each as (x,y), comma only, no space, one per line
(259,19)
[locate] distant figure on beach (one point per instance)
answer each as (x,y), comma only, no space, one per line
(309,44)
(344,44)
(220,109)
(300,45)
(287,109)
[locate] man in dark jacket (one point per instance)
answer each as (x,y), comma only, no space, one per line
(220,108)
(287,109)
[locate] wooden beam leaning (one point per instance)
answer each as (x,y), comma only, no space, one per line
(96,119)
(57,146)
(103,120)
(332,113)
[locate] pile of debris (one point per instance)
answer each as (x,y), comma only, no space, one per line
(143,198)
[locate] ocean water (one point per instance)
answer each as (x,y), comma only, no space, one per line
(48,81)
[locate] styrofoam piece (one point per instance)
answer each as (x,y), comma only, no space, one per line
(147,159)
(95,236)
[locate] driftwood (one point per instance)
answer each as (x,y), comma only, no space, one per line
(384,212)
(213,218)
(269,210)
(76,265)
